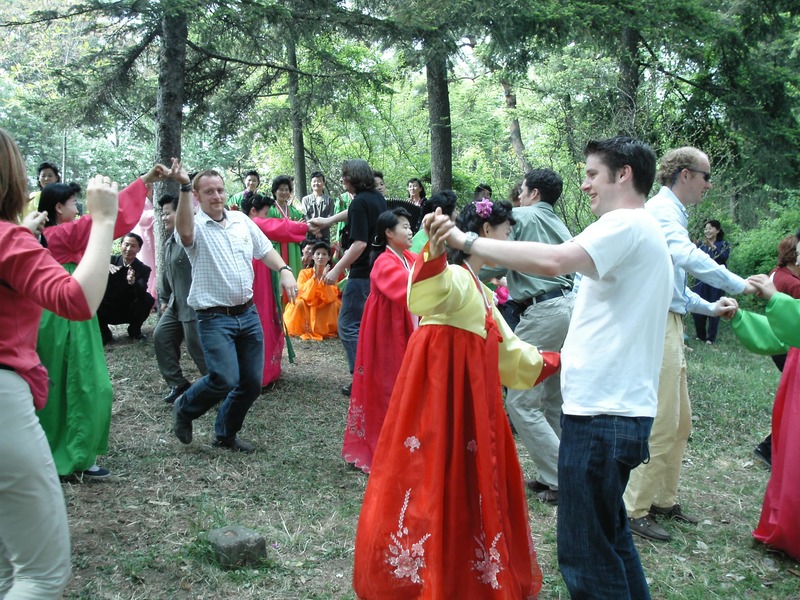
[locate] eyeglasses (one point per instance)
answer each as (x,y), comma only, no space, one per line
(706,174)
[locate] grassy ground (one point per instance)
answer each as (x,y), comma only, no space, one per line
(142,533)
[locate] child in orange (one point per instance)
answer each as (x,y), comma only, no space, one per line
(314,314)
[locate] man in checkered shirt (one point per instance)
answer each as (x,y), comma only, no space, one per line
(221,246)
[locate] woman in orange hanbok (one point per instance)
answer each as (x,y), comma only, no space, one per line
(445,513)
(382,339)
(313,315)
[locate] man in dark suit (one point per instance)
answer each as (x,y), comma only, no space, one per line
(126,299)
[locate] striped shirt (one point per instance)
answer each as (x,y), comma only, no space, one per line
(222,259)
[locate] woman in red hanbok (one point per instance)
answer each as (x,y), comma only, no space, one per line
(775,332)
(266,288)
(445,513)
(382,339)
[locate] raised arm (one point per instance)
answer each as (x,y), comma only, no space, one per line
(184,216)
(527,257)
(92,272)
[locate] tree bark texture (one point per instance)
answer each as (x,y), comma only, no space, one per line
(629,79)
(514,129)
(298,145)
(439,119)
(169,109)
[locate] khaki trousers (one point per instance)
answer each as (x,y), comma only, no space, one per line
(656,482)
(34,536)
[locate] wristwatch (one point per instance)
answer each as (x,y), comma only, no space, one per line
(285,268)
(471,237)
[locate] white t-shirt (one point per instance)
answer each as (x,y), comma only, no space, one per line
(612,354)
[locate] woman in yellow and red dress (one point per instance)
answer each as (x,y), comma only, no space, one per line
(445,513)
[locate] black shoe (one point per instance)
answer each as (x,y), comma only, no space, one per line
(136,335)
(647,527)
(106,335)
(234,444)
(181,426)
(536,486)
(96,473)
(548,496)
(175,392)
(347,389)
(675,513)
(763,452)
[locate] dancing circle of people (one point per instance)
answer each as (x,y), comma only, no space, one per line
(445,511)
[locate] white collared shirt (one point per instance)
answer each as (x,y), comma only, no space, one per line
(673,219)
(222,259)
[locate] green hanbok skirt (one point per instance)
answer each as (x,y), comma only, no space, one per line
(77,417)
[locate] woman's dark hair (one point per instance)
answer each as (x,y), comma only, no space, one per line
(469,220)
(170,199)
(421,187)
(279,181)
(446,200)
(322,246)
(52,167)
(53,194)
(717,225)
(388,219)
(479,189)
(257,201)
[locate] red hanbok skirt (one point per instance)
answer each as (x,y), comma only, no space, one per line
(445,514)
(779,525)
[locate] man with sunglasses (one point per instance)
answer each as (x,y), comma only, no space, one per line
(685,176)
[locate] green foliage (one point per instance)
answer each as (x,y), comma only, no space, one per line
(756,248)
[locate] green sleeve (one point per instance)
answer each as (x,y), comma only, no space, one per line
(783,314)
(755,334)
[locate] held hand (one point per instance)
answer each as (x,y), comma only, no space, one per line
(35,222)
(178,173)
(157,173)
(749,288)
(164,307)
(437,226)
(102,198)
(331,277)
(726,307)
(113,269)
(763,286)
(318,223)
(289,285)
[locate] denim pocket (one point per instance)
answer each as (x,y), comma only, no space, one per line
(630,440)
(205,316)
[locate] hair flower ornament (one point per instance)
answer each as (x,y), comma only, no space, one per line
(483,208)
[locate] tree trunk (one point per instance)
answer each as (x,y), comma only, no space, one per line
(439,118)
(513,127)
(169,109)
(298,146)
(629,78)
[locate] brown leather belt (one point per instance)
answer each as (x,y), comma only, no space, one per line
(231,311)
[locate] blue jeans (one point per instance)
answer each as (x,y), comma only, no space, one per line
(596,554)
(353,299)
(234,350)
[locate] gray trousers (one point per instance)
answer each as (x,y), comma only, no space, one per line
(536,412)
(167,338)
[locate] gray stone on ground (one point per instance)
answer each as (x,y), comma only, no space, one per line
(237,546)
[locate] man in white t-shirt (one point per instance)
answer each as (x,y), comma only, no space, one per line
(610,361)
